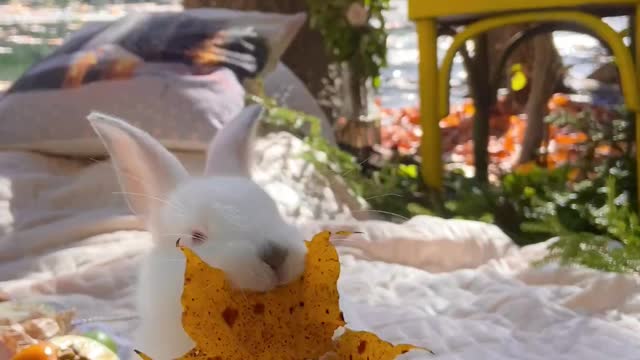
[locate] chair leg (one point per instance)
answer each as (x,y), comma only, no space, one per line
(635,43)
(480,86)
(430,147)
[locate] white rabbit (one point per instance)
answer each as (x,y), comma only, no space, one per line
(224,216)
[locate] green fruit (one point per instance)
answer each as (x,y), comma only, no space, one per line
(102,338)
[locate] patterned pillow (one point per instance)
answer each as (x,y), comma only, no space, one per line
(177,75)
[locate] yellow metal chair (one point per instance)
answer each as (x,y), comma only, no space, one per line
(480,16)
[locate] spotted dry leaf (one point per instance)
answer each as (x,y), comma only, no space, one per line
(362,345)
(291,322)
(294,322)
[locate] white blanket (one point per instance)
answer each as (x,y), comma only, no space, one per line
(460,288)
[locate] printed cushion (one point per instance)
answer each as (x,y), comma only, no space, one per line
(177,75)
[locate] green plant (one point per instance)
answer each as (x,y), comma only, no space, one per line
(611,129)
(354,32)
(614,246)
(392,190)
(519,198)
(594,219)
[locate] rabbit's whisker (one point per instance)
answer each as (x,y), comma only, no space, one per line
(142,181)
(181,210)
(176,235)
(172,259)
(382,212)
(382,195)
(360,164)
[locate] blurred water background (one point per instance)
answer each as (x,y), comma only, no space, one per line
(27,33)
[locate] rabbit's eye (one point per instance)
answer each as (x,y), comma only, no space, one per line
(198,237)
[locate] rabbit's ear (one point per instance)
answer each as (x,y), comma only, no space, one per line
(147,172)
(230,151)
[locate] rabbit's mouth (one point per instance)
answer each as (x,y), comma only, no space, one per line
(274,255)
(256,269)
(291,268)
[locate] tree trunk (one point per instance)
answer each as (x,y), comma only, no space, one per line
(547,70)
(479,81)
(306,56)
(499,40)
(541,63)
(481,68)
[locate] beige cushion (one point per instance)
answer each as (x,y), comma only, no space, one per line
(182,112)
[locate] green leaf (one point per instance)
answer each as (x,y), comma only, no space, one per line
(417,209)
(410,171)
(376,82)
(518,81)
(529,192)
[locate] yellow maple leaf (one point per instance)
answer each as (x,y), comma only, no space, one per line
(291,322)
(296,321)
(363,345)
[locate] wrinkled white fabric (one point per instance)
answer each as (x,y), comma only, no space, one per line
(461,288)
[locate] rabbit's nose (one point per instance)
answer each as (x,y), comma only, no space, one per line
(274,255)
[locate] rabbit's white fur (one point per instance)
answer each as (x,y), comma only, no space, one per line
(238,218)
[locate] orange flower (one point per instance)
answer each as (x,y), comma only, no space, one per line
(405,147)
(450,121)
(515,133)
(468,109)
(525,168)
(571,139)
(558,158)
(558,101)
(607,150)
(573,174)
